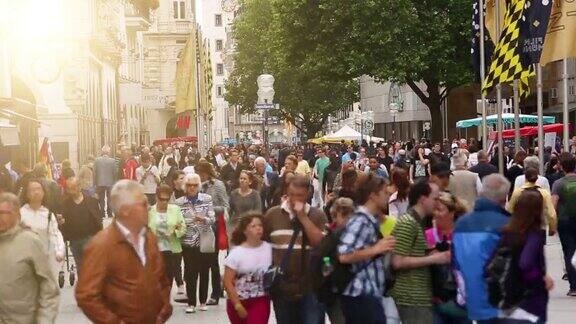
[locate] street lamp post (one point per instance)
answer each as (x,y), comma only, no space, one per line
(265,96)
(393,111)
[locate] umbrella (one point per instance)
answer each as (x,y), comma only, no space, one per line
(506,119)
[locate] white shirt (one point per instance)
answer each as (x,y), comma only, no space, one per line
(220,160)
(139,249)
(149,181)
(542,182)
(250,263)
(286,207)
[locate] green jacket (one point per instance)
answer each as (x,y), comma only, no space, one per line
(175,218)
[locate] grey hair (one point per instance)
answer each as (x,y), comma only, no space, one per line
(260,160)
(124,193)
(12,199)
(459,159)
(106,149)
(495,187)
(532,162)
(192,177)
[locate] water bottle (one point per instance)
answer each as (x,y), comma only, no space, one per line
(327,267)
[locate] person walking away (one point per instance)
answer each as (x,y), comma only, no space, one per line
(363,247)
(198,213)
(439,238)
(440,174)
(525,237)
(412,290)
(549,219)
(123,275)
(476,236)
(244,271)
(167,223)
(104,178)
(28,290)
(82,219)
(399,188)
(231,171)
(220,202)
(129,164)
(532,162)
(243,200)
(563,193)
(35,215)
(464,184)
(294,300)
(148,176)
(517,168)
(483,168)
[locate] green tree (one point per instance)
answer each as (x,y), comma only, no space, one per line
(271,38)
(421,43)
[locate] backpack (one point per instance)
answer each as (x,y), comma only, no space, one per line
(567,209)
(328,288)
(506,289)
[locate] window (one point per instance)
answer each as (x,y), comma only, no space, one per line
(218,20)
(179,8)
(219,45)
(219,69)
(571,90)
(219,91)
(553,93)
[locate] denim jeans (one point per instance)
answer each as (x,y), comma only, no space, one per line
(77,248)
(306,310)
(363,309)
(567,233)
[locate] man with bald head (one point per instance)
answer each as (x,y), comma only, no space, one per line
(123,276)
(81,219)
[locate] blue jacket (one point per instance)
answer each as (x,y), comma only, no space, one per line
(476,236)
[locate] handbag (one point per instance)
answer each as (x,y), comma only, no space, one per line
(222,233)
(274,275)
(207,241)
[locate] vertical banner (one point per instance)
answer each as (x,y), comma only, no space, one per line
(560,40)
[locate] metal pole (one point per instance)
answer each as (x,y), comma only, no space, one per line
(361,126)
(516,117)
(540,118)
(499,125)
(482,76)
(264,126)
(565,120)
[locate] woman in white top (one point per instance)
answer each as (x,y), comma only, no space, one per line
(42,221)
(244,270)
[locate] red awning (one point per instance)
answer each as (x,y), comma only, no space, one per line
(529,131)
(172,140)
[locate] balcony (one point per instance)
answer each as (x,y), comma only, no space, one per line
(137,17)
(175,27)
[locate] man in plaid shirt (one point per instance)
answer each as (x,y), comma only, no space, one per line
(362,246)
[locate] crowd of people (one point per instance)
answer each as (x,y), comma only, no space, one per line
(372,233)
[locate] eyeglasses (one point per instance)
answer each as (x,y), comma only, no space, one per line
(191,185)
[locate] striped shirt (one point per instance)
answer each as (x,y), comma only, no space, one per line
(196,206)
(412,287)
(360,233)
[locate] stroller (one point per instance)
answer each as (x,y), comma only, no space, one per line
(70,265)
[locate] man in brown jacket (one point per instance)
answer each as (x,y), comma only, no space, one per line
(123,277)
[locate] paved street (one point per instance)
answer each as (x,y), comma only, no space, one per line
(562,309)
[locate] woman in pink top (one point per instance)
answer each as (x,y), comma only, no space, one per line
(448,209)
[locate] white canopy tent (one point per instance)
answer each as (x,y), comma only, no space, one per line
(346,133)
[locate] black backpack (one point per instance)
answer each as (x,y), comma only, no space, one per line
(330,287)
(506,289)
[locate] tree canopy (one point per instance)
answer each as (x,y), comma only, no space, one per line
(269,41)
(317,48)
